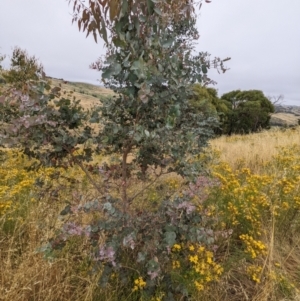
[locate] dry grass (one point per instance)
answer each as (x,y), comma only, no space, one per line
(256,149)
(28,274)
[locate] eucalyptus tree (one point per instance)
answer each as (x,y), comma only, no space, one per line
(22,68)
(248,111)
(150,64)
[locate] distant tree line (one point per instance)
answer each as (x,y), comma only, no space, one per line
(239,112)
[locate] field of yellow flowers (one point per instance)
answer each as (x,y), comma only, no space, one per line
(252,203)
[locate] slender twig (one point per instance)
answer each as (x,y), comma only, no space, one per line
(124,178)
(146,187)
(96,186)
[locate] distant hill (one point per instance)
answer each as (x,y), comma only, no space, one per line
(285,116)
(88,94)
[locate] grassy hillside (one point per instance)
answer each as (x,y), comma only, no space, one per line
(284,119)
(88,94)
(253,206)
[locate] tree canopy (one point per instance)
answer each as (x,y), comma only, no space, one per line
(1,59)
(22,68)
(248,111)
(150,63)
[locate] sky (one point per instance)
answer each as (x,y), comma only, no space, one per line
(262,37)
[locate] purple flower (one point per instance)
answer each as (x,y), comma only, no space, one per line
(107,254)
(73,229)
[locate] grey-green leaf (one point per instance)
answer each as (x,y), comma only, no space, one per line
(170,238)
(168,43)
(158,11)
